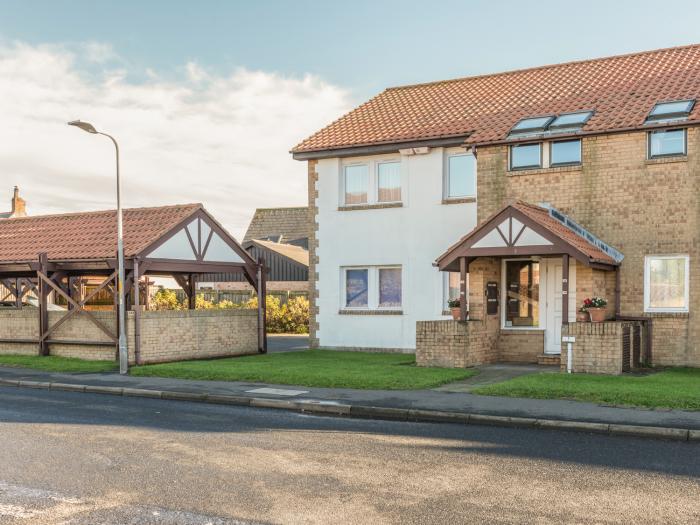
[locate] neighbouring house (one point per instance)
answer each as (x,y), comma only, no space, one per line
(280,237)
(18,207)
(523,193)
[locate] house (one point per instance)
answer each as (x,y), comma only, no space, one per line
(523,192)
(18,209)
(279,236)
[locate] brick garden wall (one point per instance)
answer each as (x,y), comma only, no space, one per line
(454,344)
(165,336)
(520,346)
(598,347)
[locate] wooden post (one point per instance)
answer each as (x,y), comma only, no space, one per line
(18,293)
(618,306)
(43,307)
(192,293)
(262,314)
(565,289)
(136,293)
(462,288)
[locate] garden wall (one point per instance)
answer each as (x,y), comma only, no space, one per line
(454,344)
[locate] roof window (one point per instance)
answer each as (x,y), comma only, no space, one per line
(532,125)
(567,121)
(667,111)
(562,123)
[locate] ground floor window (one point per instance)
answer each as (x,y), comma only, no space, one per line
(522,290)
(666,283)
(372,287)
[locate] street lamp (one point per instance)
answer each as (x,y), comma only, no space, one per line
(123,355)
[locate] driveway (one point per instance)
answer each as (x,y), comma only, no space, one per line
(287,342)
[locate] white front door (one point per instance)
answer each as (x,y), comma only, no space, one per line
(552,306)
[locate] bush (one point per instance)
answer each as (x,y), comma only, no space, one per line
(290,318)
(165,300)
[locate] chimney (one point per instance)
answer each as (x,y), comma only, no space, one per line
(19,206)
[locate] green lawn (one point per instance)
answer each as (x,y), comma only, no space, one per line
(52,363)
(672,388)
(314,368)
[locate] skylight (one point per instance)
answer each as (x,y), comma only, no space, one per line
(674,110)
(570,120)
(532,125)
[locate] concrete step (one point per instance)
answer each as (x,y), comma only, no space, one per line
(547,359)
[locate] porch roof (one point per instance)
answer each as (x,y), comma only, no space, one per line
(520,229)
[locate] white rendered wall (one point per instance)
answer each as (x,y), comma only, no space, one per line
(412,236)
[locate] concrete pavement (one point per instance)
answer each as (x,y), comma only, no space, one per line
(80,459)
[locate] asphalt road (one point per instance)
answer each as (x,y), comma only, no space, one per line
(87,459)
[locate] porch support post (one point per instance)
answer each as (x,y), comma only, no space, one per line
(262,304)
(192,294)
(463,270)
(618,306)
(136,293)
(565,289)
(18,293)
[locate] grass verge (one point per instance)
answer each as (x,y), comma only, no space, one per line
(52,363)
(314,368)
(672,388)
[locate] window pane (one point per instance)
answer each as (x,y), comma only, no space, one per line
(528,124)
(667,143)
(461,176)
(356,184)
(525,156)
(665,108)
(523,293)
(389,287)
(356,287)
(667,283)
(389,181)
(453,287)
(566,152)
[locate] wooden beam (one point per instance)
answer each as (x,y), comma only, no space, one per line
(136,291)
(618,305)
(565,289)
(43,308)
(462,288)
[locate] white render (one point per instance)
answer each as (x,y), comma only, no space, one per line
(412,236)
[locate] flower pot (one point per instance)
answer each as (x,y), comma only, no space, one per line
(456,311)
(597,315)
(582,317)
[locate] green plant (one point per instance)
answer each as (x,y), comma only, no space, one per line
(594,302)
(165,300)
(454,303)
(292,317)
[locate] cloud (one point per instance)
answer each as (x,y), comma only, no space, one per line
(222,140)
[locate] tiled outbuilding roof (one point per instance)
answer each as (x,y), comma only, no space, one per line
(620,89)
(89,235)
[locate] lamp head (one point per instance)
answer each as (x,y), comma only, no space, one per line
(85,126)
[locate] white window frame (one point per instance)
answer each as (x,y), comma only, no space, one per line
(647,284)
(372,287)
(373,180)
(667,155)
(446,176)
(376,183)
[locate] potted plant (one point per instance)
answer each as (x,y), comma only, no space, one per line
(595,307)
(455,308)
(582,315)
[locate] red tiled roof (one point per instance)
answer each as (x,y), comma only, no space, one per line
(89,235)
(620,89)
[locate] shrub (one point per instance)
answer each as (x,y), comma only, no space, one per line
(290,318)
(165,300)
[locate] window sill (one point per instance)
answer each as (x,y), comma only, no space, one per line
(374,206)
(459,200)
(352,311)
(666,160)
(540,171)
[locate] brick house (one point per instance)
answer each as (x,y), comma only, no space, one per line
(524,193)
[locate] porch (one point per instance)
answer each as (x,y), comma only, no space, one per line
(523,274)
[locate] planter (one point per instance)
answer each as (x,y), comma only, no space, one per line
(456,312)
(597,315)
(582,317)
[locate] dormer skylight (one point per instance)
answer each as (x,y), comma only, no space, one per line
(670,111)
(566,122)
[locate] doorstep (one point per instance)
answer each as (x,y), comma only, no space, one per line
(549,359)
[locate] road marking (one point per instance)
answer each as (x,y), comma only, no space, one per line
(277,392)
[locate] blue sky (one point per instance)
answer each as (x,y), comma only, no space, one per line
(216,92)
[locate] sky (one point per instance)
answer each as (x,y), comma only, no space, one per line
(207,98)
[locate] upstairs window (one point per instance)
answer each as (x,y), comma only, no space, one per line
(525,156)
(666,143)
(389,182)
(461,176)
(565,152)
(669,111)
(356,184)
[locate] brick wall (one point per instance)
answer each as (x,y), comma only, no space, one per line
(639,206)
(520,346)
(313,257)
(453,344)
(165,336)
(598,348)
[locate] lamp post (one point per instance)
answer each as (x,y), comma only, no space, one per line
(123,355)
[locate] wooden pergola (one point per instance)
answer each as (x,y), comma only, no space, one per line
(52,253)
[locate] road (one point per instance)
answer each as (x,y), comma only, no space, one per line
(75,458)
